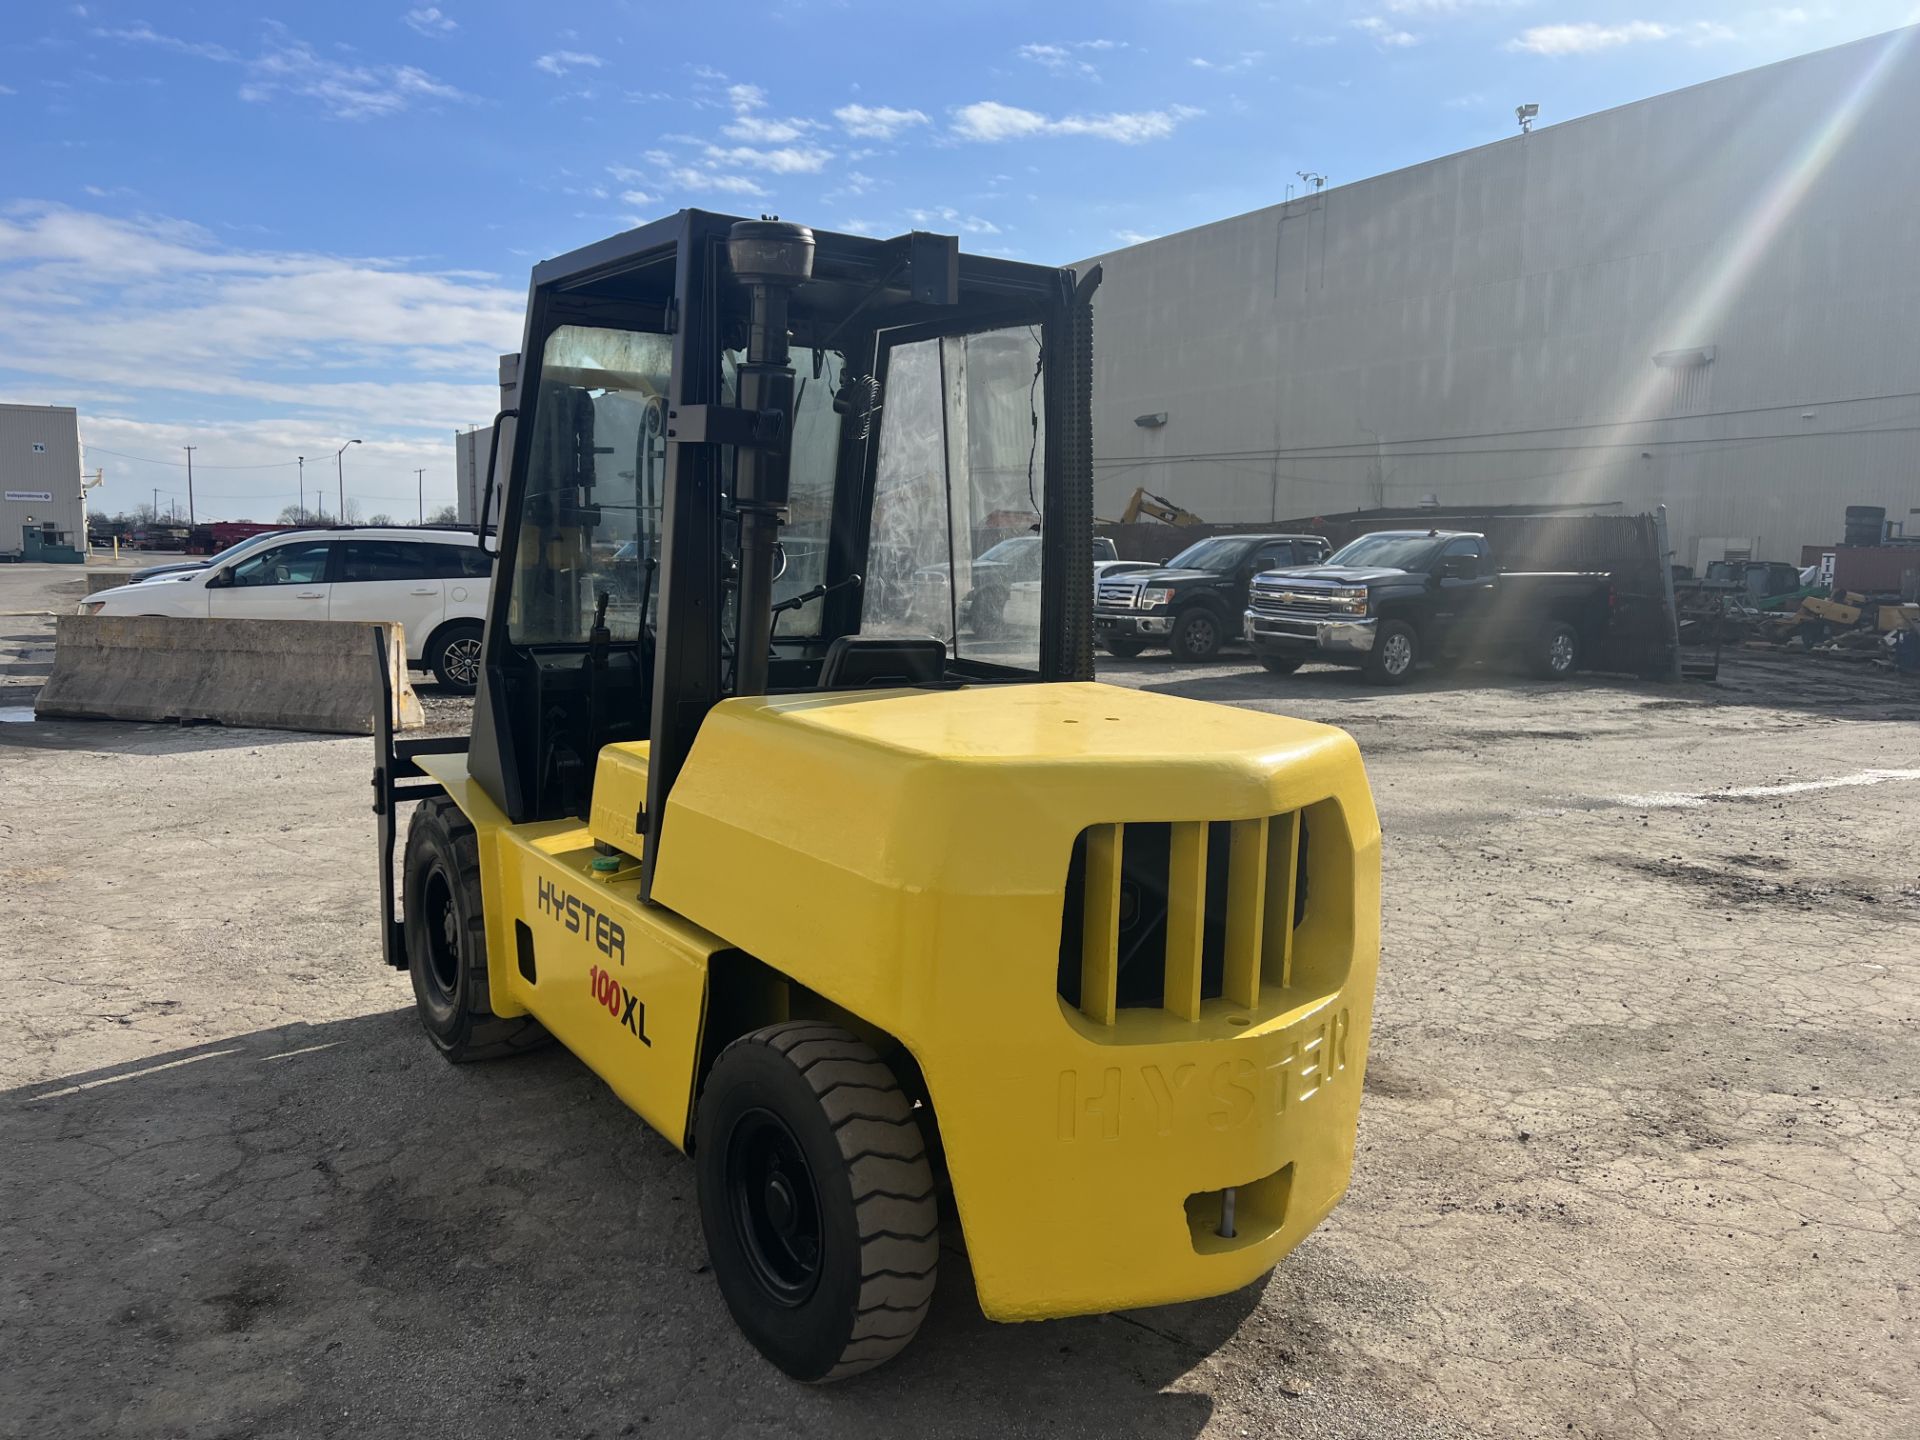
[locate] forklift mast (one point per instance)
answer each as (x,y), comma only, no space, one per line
(747,451)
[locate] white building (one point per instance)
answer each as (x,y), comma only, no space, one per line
(1710,298)
(40,485)
(471,447)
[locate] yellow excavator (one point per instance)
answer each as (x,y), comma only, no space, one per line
(1157,507)
(887,931)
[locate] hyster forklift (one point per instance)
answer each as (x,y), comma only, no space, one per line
(871,914)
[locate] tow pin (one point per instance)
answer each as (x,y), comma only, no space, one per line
(1225,1232)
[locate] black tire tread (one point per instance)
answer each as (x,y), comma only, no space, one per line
(490,1037)
(893,1192)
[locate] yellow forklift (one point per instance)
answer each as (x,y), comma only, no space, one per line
(883,921)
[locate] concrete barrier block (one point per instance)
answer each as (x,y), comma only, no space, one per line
(277,674)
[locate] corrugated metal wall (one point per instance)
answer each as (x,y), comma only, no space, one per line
(1710,298)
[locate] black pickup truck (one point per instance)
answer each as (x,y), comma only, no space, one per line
(1193,603)
(1395,598)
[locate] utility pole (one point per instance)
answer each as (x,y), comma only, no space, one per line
(341,465)
(420,480)
(300,515)
(156,504)
(189,449)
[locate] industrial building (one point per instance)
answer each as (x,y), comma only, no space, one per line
(1707,299)
(43,508)
(472,448)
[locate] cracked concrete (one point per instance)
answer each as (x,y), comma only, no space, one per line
(1637,1158)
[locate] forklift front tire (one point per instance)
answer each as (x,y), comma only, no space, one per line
(447,940)
(817,1200)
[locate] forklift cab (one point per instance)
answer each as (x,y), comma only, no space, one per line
(728,481)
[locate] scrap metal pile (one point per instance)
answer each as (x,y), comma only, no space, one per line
(1844,626)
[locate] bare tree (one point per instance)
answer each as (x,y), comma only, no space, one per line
(445,515)
(381,519)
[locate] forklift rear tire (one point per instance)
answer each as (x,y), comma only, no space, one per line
(447,941)
(817,1200)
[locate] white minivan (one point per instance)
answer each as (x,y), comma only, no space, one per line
(433,582)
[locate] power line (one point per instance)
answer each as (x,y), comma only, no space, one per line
(1398,452)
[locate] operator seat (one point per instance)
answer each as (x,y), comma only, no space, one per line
(861,662)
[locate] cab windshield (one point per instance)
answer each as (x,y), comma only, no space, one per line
(1389,552)
(1217,554)
(958,494)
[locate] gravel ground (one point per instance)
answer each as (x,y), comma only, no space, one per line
(1637,1156)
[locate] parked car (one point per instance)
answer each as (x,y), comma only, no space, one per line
(1006,583)
(1194,602)
(434,583)
(225,557)
(1395,598)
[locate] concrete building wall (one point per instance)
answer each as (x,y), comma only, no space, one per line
(1710,298)
(40,473)
(470,448)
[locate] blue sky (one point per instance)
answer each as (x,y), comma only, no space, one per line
(267,229)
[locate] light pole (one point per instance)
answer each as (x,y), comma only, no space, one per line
(300,515)
(341,466)
(420,480)
(189,449)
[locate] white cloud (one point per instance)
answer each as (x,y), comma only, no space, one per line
(1449,7)
(877,122)
(286,65)
(1245,60)
(1385,34)
(947,215)
(991,121)
(1133,237)
(763,131)
(687,177)
(746,97)
(155,316)
(1056,58)
(858,227)
(430,21)
(348,92)
(144,34)
(8,90)
(637,198)
(787,160)
(561,61)
(1586,37)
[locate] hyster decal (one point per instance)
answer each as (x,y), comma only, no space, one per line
(1222,1096)
(621,1003)
(580,918)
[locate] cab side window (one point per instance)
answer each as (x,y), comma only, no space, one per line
(368,560)
(455,562)
(1274,555)
(1472,551)
(302,564)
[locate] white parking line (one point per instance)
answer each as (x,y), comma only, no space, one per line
(1677,799)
